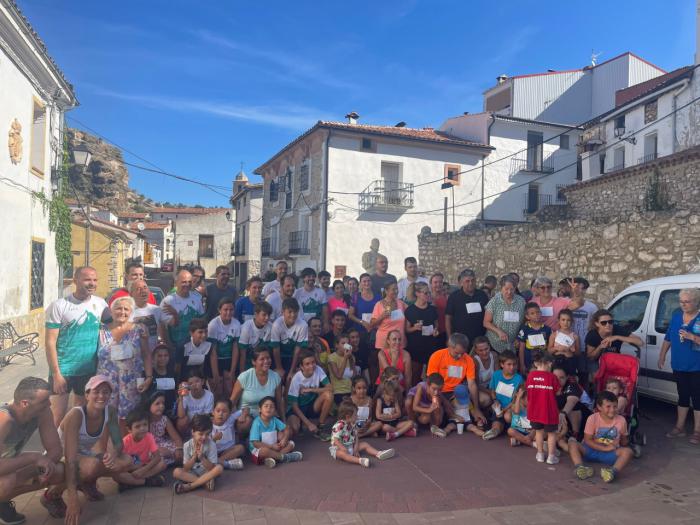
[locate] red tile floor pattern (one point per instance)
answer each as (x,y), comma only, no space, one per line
(427,475)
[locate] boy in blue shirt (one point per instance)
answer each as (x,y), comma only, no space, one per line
(503,386)
(269,441)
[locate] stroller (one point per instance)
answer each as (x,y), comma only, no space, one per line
(624,368)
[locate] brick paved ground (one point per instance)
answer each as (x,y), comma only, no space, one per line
(458,480)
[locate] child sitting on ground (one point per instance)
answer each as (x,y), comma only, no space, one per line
(425,405)
(564,343)
(390,375)
(309,397)
(366,424)
(269,441)
(542,411)
(192,399)
(605,441)
(502,388)
(164,379)
(346,445)
(341,367)
(200,462)
(520,431)
(461,404)
(168,440)
(616,387)
(198,350)
(532,337)
(388,411)
(141,446)
(224,426)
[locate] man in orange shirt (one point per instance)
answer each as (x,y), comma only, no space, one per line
(457,368)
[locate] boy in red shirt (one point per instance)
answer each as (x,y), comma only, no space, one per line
(542,410)
(140,444)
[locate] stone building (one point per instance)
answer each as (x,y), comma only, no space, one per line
(203,238)
(34,96)
(247,202)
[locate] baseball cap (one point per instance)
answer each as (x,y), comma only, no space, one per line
(462,394)
(96,381)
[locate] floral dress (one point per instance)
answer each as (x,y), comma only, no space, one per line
(343,434)
(123,364)
(160,433)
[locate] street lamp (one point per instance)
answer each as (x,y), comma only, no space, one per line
(81,156)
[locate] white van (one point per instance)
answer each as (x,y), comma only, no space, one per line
(645,310)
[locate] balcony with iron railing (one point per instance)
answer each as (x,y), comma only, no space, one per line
(386,195)
(532,203)
(648,158)
(532,164)
(299,243)
(616,167)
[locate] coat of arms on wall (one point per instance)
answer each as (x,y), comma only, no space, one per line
(14,142)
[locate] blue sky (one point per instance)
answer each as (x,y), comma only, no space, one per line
(199,87)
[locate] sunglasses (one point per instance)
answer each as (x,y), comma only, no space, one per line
(606,322)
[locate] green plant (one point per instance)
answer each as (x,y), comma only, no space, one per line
(656,198)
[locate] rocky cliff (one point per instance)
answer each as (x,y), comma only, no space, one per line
(105,181)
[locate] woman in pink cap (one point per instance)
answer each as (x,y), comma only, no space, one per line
(85,433)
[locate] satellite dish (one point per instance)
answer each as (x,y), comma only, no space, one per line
(141,226)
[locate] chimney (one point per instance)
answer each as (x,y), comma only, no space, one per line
(353,117)
(502,78)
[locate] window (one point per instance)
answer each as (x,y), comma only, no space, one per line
(37,278)
(668,303)
(628,312)
(620,122)
(38,145)
(452,174)
(561,196)
(650,147)
(391,183)
(366,143)
(601,168)
(651,111)
(618,158)
(564,141)
(533,198)
(535,151)
(206,246)
(579,168)
(274,191)
(288,190)
(304,176)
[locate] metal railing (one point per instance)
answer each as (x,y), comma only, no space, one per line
(299,243)
(536,165)
(534,203)
(616,167)
(266,247)
(381,194)
(648,158)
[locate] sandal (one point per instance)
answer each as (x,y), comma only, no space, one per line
(695,439)
(675,432)
(211,485)
(437,431)
(180,487)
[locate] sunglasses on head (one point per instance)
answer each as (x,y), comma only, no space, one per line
(606,322)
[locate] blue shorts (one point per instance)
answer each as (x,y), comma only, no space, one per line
(589,454)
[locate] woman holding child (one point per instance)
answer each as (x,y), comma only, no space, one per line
(504,315)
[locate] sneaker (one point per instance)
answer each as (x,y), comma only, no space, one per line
(583,472)
(391,436)
(490,434)
(514,442)
(270,462)
(385,454)
(364,462)
(293,457)
(437,431)
(607,474)
(636,450)
(540,457)
(53,503)
(8,514)
(552,460)
(233,464)
(411,433)
(322,435)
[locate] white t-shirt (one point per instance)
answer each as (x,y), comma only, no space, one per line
(296,334)
(224,335)
(197,354)
(300,381)
(203,405)
(150,316)
(405,283)
(272,286)
(187,308)
(311,302)
(251,335)
(228,431)
(275,300)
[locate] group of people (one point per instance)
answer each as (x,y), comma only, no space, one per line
(207,378)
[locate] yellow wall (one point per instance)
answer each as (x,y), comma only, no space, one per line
(110,272)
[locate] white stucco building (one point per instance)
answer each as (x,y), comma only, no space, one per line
(203,238)
(247,202)
(34,95)
(160,233)
(534,123)
(340,185)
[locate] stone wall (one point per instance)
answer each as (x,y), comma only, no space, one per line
(608,237)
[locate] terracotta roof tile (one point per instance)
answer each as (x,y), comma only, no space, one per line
(195,211)
(627,95)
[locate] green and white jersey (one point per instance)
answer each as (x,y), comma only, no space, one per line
(275,300)
(289,337)
(224,335)
(311,302)
(318,379)
(187,308)
(78,324)
(251,337)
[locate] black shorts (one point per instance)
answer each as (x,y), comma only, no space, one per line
(542,426)
(338,398)
(75,384)
(307,410)
(688,386)
(224,364)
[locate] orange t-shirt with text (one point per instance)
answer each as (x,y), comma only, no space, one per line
(453,371)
